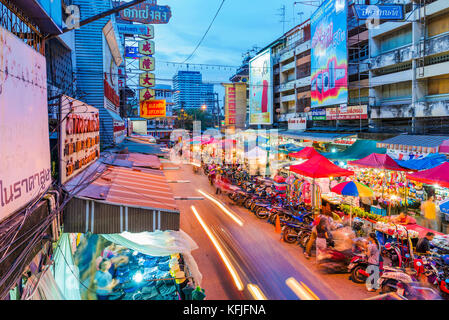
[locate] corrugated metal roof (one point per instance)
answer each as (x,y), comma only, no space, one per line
(417,140)
(316,136)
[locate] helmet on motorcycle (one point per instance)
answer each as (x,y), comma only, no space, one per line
(388,246)
(446,259)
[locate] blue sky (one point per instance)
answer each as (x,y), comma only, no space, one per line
(240,25)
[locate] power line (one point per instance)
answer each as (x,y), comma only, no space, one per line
(204,36)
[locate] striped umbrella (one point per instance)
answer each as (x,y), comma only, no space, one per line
(354,189)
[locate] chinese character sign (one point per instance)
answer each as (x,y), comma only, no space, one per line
(147,80)
(147,63)
(329,62)
(147,94)
(153,109)
(146,47)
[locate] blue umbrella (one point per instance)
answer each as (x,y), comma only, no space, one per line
(444,207)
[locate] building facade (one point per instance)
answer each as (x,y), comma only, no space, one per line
(98,56)
(190,92)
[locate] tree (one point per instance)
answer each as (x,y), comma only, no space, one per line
(185,118)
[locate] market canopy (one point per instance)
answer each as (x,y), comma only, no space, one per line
(438,175)
(320,167)
(444,147)
(377,161)
(414,143)
(429,162)
(314,136)
(358,150)
(306,153)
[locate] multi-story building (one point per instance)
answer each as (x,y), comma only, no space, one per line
(99,54)
(409,71)
(191,92)
(162,128)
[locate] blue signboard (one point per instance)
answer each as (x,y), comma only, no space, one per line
(318,114)
(329,54)
(132,52)
(53,9)
(135,29)
(381,12)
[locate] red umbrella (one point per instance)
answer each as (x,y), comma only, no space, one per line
(320,167)
(306,153)
(378,161)
(438,175)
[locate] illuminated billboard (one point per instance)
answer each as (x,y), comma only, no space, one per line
(261,89)
(329,54)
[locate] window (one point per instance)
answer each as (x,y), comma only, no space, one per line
(396,39)
(397,90)
(438,85)
(438,25)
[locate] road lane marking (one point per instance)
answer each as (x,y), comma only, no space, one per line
(223,208)
(302,291)
(178,181)
(227,262)
(256,292)
(310,291)
(170,168)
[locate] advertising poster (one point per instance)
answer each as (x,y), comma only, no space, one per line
(261,89)
(329,56)
(347,113)
(153,109)
(80,137)
(25,170)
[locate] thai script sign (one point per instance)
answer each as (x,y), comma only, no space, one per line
(25,170)
(329,56)
(318,114)
(299,124)
(147,12)
(142,30)
(152,109)
(347,113)
(80,137)
(381,12)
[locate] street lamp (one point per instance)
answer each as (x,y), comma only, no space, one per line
(203,107)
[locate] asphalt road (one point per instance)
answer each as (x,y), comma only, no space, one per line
(242,257)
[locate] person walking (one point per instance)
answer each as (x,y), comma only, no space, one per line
(327,220)
(429,211)
(373,256)
(322,235)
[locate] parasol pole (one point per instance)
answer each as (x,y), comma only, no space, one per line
(313,196)
(350,215)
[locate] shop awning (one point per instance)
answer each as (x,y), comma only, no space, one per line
(358,150)
(314,136)
(438,175)
(140,147)
(306,153)
(115,116)
(414,143)
(320,167)
(377,161)
(429,162)
(120,199)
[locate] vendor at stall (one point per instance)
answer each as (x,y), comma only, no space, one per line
(403,219)
(423,246)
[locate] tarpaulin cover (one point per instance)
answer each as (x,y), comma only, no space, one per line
(320,167)
(429,162)
(306,153)
(358,150)
(159,244)
(65,271)
(377,161)
(438,175)
(444,147)
(42,286)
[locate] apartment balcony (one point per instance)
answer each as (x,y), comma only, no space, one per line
(303,47)
(287,55)
(290,85)
(291,97)
(303,82)
(392,57)
(353,68)
(288,67)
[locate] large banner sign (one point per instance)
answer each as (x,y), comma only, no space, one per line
(261,89)
(25,170)
(329,56)
(80,137)
(348,113)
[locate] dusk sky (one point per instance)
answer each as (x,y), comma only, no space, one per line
(240,25)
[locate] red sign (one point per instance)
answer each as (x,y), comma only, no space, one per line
(152,109)
(110,93)
(232,111)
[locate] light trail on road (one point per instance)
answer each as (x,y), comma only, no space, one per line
(222,207)
(227,262)
(256,292)
(300,289)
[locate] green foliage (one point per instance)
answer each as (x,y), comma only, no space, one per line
(360,213)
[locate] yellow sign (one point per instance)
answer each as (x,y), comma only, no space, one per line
(153,109)
(147,94)
(147,80)
(146,47)
(235,104)
(146,63)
